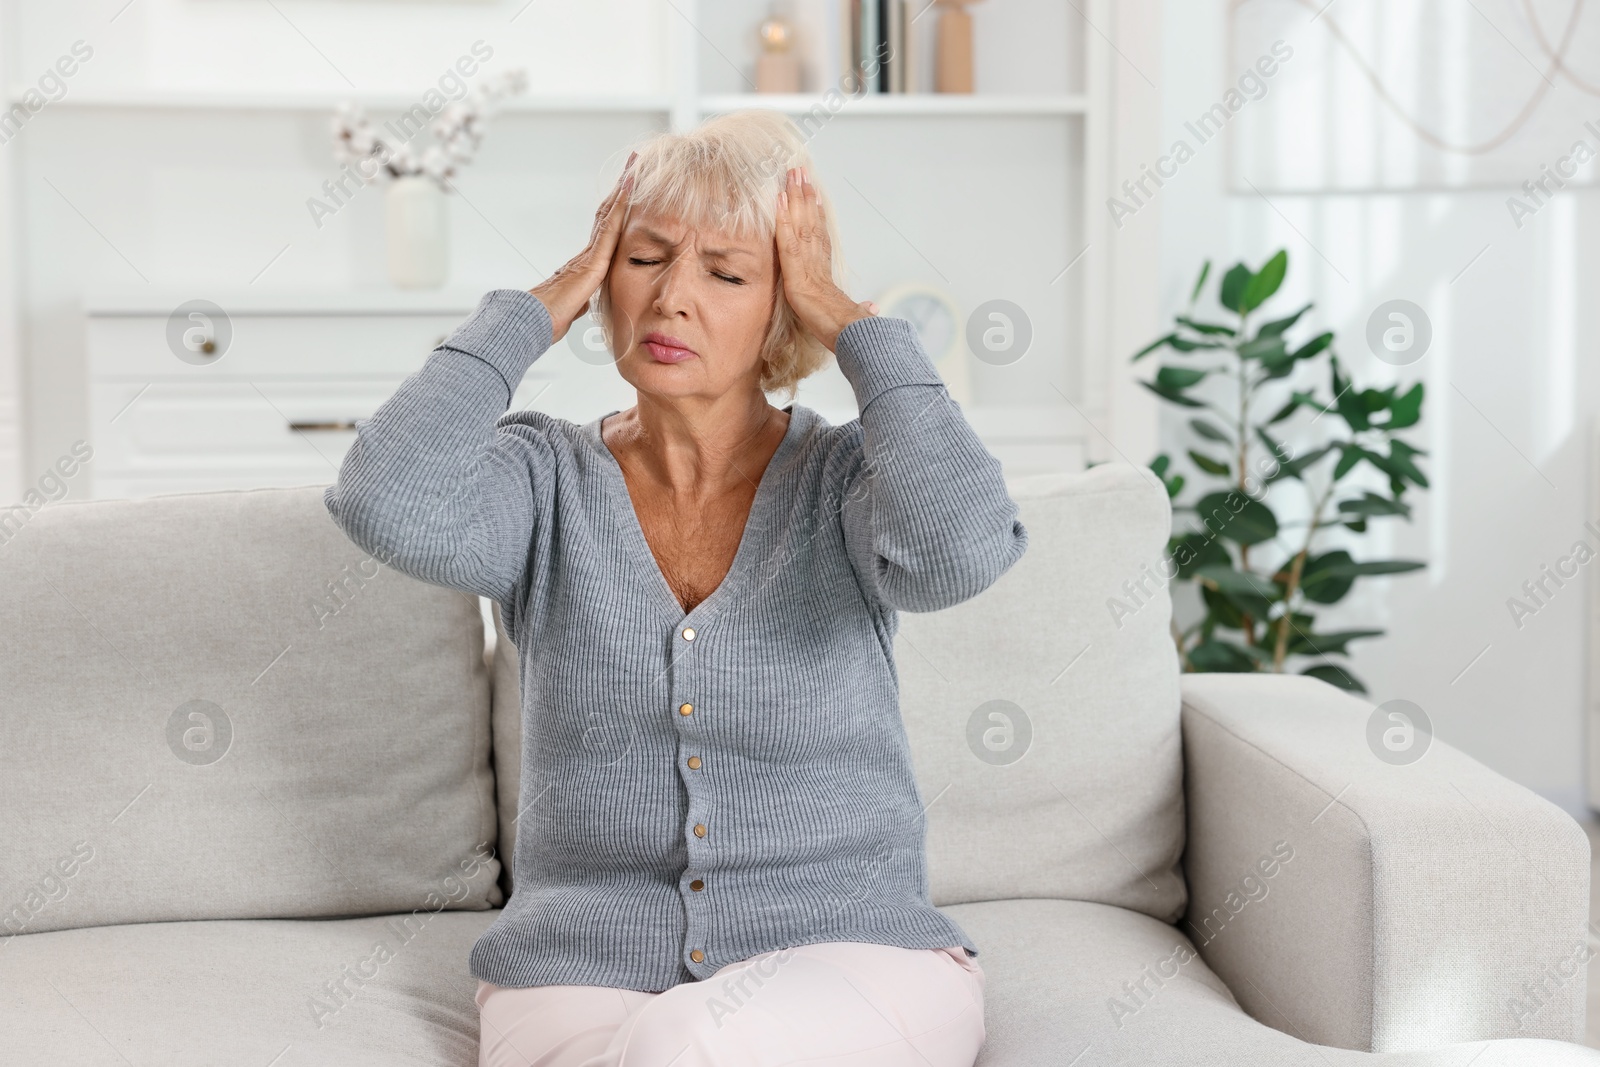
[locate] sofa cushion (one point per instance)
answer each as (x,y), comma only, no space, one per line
(1066,982)
(1043,725)
(217,706)
(383,991)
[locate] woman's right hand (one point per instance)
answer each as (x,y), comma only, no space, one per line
(566,293)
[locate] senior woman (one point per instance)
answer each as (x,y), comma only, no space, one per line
(720,854)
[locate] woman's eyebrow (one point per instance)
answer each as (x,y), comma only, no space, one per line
(713,253)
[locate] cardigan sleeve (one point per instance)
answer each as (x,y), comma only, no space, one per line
(927,519)
(435,485)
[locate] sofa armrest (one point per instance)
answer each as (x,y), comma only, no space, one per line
(1354,902)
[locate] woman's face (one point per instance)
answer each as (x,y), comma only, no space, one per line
(690,307)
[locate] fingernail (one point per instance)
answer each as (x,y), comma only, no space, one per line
(783,198)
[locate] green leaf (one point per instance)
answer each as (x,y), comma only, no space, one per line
(1302,643)
(1376,400)
(1200,282)
(1209,430)
(1171,394)
(1278,327)
(1233,286)
(1313,346)
(1152,346)
(1204,327)
(1194,550)
(1245,583)
(1349,457)
(1225,611)
(1237,517)
(1279,453)
(1300,464)
(1328,577)
(1368,568)
(1372,504)
(1309,401)
(1347,402)
(1400,455)
(1209,465)
(1406,409)
(1323,588)
(1264,283)
(1387,465)
(1266,349)
(1160,465)
(1284,412)
(1183,344)
(1225,657)
(1180,377)
(1277,368)
(1336,675)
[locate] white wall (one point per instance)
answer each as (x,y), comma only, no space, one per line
(1511,376)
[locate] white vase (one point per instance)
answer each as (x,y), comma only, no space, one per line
(417,225)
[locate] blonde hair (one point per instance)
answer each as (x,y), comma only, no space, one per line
(726,175)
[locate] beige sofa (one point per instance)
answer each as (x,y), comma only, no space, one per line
(256,788)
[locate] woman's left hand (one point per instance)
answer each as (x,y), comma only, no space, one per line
(805,259)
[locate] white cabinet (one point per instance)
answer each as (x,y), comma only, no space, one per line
(278,405)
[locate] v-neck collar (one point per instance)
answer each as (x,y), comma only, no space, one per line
(756,521)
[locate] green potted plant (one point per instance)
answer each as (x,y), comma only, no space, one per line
(1261,581)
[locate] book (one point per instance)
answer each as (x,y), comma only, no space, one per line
(850,41)
(911,71)
(867,43)
(897,46)
(818,24)
(884,39)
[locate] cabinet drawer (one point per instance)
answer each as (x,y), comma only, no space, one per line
(193,427)
(222,434)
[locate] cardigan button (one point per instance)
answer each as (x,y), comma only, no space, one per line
(697,956)
(688,633)
(694,763)
(697,885)
(699,829)
(685,709)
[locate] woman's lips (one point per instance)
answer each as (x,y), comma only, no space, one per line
(667,349)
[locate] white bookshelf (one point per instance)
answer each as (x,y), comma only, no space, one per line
(931,105)
(995,194)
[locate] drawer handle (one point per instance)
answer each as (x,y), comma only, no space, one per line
(349,424)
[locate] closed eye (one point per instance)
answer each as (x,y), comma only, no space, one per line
(637,262)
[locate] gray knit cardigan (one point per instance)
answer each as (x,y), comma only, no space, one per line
(696,789)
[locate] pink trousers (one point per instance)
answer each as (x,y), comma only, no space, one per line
(839,1004)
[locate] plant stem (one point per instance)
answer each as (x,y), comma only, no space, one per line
(1296,569)
(1244,460)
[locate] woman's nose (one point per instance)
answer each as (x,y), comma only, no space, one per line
(669,285)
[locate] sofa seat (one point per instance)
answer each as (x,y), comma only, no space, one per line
(196,994)
(244,993)
(1054,966)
